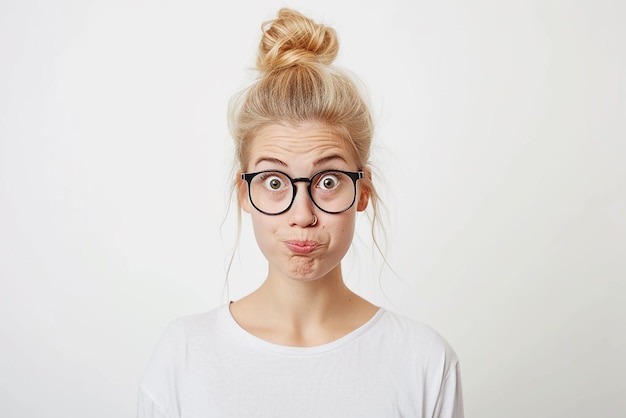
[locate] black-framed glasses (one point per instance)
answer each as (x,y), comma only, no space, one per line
(273,192)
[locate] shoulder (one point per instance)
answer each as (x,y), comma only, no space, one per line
(424,360)
(193,326)
(419,340)
(171,352)
(175,354)
(404,327)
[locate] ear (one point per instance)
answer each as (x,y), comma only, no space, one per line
(242,194)
(364,198)
(364,192)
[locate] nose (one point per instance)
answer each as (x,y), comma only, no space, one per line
(302,211)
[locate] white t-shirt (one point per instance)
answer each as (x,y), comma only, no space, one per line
(208,366)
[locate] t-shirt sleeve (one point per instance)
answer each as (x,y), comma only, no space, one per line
(450,400)
(159,386)
(147,407)
(444,396)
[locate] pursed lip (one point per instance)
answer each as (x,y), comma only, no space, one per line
(301,247)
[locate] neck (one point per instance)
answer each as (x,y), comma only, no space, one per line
(295,312)
(302,301)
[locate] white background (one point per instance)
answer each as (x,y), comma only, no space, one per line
(500,148)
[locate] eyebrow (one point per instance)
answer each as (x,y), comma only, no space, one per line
(270,160)
(329,158)
(317,163)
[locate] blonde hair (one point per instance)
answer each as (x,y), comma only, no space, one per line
(299,84)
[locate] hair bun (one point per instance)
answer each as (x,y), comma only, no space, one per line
(293,39)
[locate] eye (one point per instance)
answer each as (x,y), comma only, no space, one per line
(273,182)
(329,182)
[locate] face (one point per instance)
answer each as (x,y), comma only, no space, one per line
(295,246)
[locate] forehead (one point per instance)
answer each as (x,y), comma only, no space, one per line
(302,145)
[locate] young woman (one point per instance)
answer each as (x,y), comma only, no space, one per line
(303,344)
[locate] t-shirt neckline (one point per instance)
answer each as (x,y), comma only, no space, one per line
(246,337)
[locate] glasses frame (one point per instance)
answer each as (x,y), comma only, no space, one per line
(354,175)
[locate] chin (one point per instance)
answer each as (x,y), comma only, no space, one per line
(308,270)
